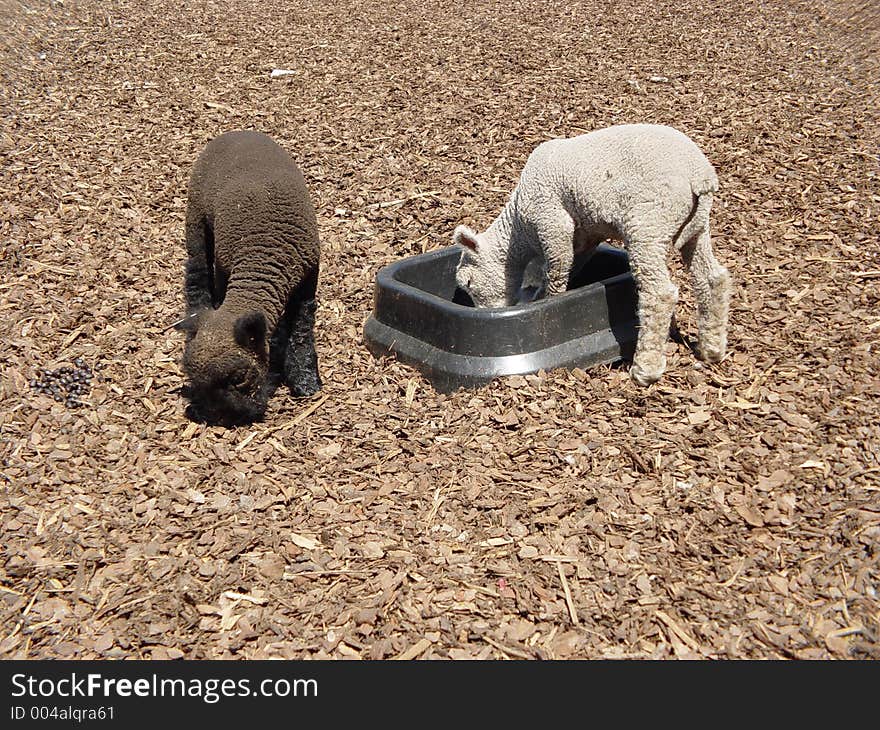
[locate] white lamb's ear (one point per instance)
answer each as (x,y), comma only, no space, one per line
(465,237)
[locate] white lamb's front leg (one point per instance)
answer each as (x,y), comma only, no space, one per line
(555,229)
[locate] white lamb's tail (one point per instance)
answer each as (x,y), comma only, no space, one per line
(699,218)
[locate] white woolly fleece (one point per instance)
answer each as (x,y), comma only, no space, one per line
(647,185)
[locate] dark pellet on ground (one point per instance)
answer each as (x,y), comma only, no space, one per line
(66,385)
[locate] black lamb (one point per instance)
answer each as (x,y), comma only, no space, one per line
(251,277)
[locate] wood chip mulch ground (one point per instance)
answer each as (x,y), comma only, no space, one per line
(729,511)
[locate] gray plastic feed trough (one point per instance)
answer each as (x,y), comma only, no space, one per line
(421,317)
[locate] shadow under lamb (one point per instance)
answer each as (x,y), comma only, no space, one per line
(646,185)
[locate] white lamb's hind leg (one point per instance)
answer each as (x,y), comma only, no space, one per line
(657,299)
(712,283)
(556,235)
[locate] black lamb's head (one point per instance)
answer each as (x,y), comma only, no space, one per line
(226,363)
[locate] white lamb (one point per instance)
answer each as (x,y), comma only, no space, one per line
(644,184)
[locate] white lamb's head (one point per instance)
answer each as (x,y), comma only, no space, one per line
(481,269)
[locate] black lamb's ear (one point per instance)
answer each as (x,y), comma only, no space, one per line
(189,324)
(250,332)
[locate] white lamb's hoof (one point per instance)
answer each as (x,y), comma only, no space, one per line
(713,351)
(712,355)
(644,377)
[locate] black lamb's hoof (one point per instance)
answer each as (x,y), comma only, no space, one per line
(305,384)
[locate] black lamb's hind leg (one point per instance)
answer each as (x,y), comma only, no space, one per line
(301,360)
(199,282)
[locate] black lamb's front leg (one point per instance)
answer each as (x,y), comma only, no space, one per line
(301,360)
(199,283)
